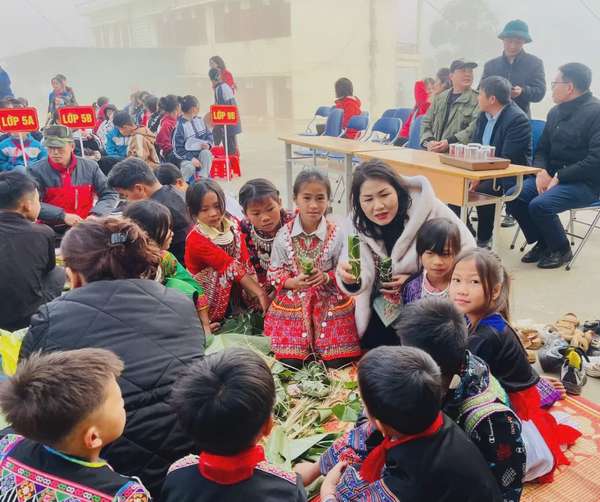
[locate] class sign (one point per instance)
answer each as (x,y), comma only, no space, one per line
(224,114)
(77,117)
(18,120)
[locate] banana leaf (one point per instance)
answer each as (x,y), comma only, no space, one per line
(217,343)
(248,323)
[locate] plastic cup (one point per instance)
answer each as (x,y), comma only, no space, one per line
(474,145)
(471,153)
(452,150)
(459,150)
(491,152)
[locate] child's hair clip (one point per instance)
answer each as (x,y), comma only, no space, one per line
(118,239)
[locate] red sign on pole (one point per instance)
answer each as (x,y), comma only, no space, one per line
(18,120)
(77,117)
(224,114)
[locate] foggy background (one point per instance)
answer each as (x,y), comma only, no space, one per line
(284,54)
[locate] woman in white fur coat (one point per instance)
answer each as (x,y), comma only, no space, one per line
(388,210)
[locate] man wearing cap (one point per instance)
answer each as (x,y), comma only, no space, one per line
(453,113)
(524,71)
(68,184)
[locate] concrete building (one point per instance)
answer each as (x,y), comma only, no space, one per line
(285,54)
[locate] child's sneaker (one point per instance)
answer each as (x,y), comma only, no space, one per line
(592,368)
(572,373)
(549,354)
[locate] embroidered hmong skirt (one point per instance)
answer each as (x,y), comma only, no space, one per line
(315,321)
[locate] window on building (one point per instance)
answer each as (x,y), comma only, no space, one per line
(182,27)
(244,20)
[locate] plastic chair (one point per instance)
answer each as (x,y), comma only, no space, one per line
(590,228)
(414,135)
(389,127)
(322,112)
(397,113)
(537,128)
(333,127)
(359,123)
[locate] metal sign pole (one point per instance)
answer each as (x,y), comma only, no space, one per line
(23,150)
(226,154)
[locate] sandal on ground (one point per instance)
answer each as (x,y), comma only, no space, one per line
(531,356)
(533,337)
(566,326)
(580,340)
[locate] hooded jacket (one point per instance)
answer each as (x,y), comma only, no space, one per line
(141,145)
(351,107)
(11,154)
(156,332)
(164,138)
(422,104)
(72,189)
(424,206)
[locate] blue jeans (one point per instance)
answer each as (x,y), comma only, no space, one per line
(188,170)
(538,214)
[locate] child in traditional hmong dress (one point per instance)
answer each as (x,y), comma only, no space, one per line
(480,290)
(265,215)
(155,220)
(216,252)
(64,408)
(438,242)
(309,314)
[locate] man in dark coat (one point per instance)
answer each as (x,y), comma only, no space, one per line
(524,71)
(505,126)
(569,157)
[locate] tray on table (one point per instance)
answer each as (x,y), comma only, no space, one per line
(475,165)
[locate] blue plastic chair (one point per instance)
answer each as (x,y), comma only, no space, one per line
(414,135)
(333,127)
(397,113)
(359,123)
(389,127)
(537,128)
(322,112)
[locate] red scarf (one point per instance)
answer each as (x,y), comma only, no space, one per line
(375,461)
(229,470)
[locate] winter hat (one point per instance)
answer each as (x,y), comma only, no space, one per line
(516,29)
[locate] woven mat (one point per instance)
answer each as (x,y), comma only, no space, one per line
(580,481)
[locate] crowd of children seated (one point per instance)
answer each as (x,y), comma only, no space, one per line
(114,398)
(433,323)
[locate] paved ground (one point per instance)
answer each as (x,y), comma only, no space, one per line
(540,296)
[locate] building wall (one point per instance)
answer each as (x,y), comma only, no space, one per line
(285,54)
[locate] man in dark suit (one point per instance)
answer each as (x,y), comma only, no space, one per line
(504,125)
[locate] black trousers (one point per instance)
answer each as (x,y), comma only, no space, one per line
(219,137)
(377,334)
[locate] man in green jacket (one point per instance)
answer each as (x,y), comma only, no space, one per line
(453,113)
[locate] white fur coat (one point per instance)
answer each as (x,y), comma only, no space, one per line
(424,206)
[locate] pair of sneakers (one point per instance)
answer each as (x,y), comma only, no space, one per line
(557,354)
